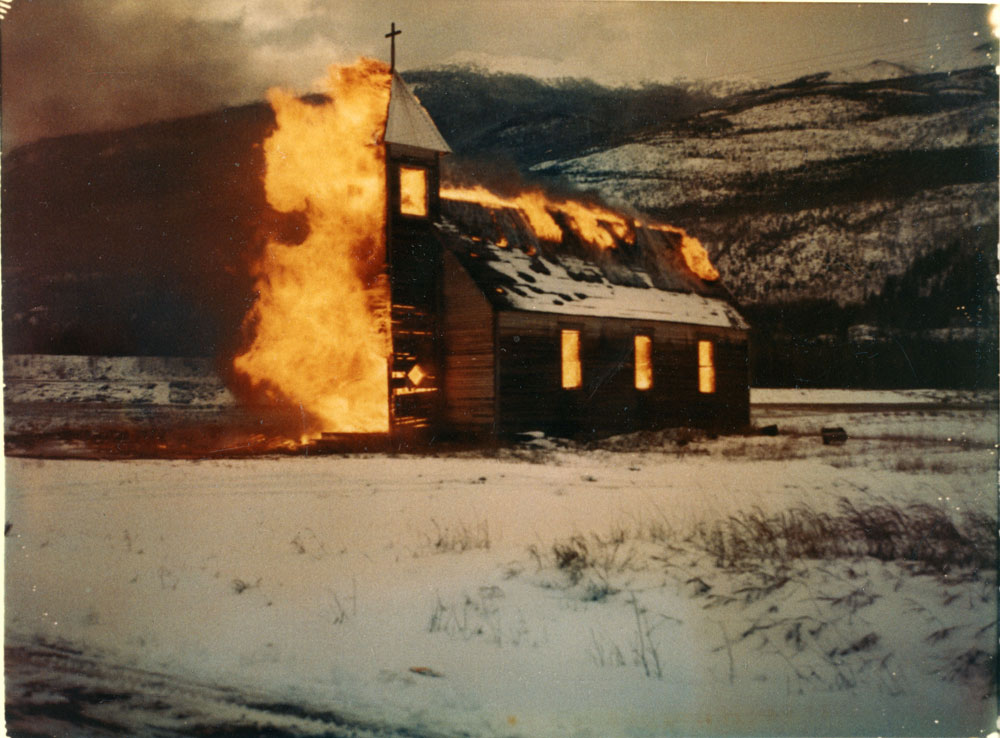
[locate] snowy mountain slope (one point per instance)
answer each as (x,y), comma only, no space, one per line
(688,166)
(876,70)
(720,87)
(854,181)
(861,172)
(523,119)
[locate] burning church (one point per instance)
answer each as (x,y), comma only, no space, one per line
(423,309)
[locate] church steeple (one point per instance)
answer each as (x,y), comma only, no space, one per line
(414,146)
(413,150)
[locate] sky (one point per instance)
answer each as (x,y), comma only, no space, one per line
(80,65)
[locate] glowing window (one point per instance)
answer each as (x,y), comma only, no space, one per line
(572,372)
(413,191)
(416,375)
(706,367)
(643,362)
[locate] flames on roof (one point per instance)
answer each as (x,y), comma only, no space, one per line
(644,273)
(550,218)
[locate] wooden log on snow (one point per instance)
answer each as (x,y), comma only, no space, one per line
(834,436)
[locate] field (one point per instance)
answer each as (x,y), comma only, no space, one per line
(655,584)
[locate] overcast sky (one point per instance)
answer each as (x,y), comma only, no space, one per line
(77,65)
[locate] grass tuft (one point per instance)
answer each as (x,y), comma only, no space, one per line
(595,562)
(920,533)
(460,537)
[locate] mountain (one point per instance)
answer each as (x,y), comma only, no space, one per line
(831,204)
(854,181)
(854,221)
(525,120)
(873,72)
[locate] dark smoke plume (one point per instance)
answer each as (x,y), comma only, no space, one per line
(84,65)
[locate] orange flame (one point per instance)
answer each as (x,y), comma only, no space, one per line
(591,223)
(320,323)
(693,252)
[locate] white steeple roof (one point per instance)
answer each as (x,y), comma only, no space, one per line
(408,123)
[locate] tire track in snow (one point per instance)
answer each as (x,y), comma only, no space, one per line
(54,689)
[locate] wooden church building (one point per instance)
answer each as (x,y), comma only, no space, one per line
(496,331)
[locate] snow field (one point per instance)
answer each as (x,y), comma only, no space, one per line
(323,581)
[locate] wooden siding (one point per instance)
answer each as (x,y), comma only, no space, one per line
(413,256)
(529,376)
(414,276)
(469,368)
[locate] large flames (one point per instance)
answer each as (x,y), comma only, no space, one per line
(693,252)
(320,323)
(592,224)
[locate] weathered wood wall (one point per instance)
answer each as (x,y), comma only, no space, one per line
(530,391)
(469,367)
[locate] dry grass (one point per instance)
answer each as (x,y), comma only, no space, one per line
(460,537)
(481,615)
(919,533)
(798,587)
(599,565)
(925,536)
(592,562)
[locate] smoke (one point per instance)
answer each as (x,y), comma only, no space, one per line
(86,65)
(83,65)
(91,65)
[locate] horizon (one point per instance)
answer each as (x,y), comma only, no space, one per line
(66,69)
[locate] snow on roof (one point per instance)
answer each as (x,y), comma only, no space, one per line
(513,278)
(558,292)
(408,123)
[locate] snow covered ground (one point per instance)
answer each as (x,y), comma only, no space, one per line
(543,590)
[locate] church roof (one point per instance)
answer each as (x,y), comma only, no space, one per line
(408,123)
(646,280)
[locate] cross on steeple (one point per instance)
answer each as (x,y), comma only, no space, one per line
(392,37)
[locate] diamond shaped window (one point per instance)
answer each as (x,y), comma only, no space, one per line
(416,375)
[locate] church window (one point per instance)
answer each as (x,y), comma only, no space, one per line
(572,371)
(413,191)
(706,367)
(643,362)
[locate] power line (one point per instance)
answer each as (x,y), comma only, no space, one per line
(845,59)
(860,55)
(863,54)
